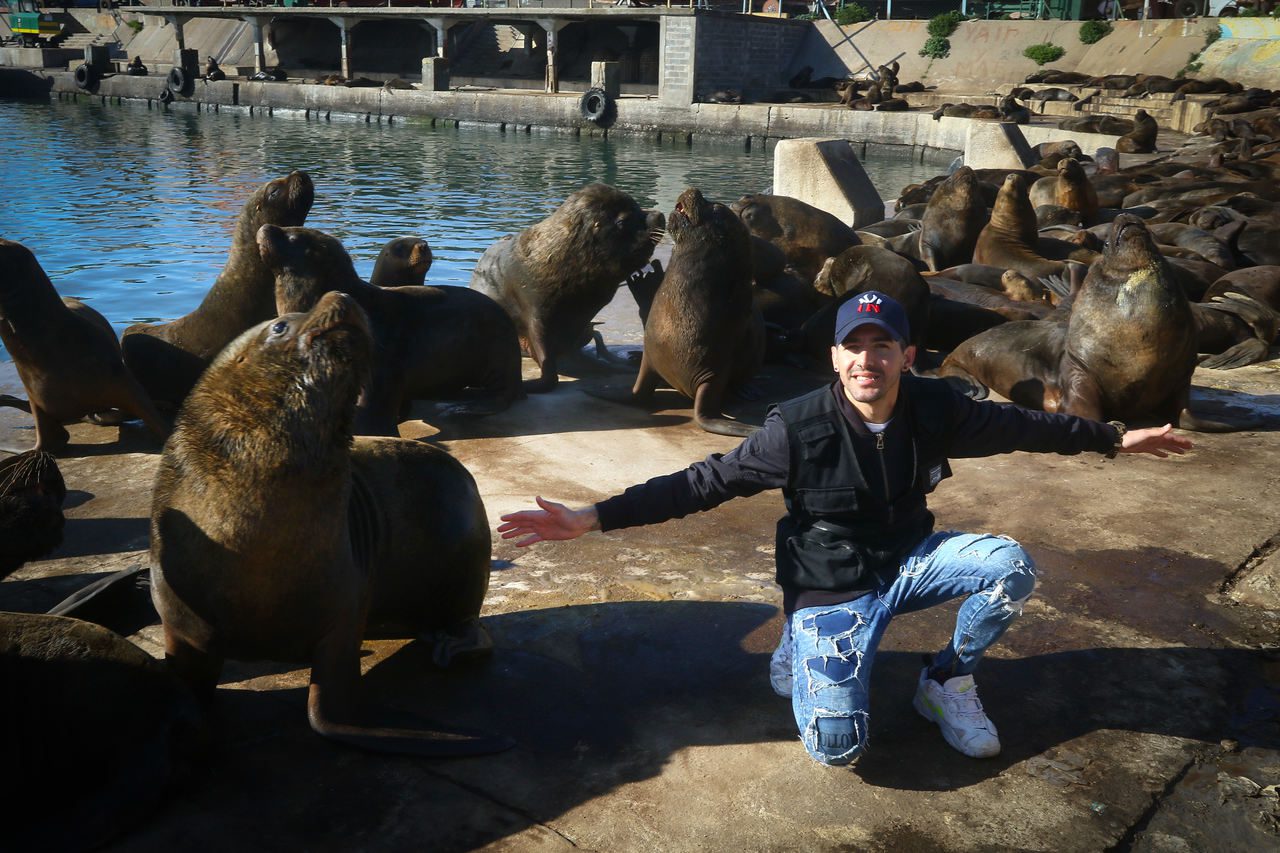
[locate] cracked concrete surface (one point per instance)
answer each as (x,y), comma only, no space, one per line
(1138,698)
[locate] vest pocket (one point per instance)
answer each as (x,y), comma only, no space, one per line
(824,559)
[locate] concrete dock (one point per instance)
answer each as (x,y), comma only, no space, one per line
(1138,699)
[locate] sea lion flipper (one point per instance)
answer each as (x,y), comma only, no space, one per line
(706,413)
(1244,353)
(329,706)
(12,402)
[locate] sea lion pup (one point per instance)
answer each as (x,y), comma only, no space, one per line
(1142,139)
(212,72)
(167,358)
(1070,189)
(95,732)
(1010,239)
(953,219)
(31,520)
(66,354)
(432,342)
(554,276)
(806,235)
(703,335)
(402,261)
(274,537)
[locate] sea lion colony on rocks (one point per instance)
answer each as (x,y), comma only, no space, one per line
(1101,313)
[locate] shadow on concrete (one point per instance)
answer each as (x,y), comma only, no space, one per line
(86,536)
(602,695)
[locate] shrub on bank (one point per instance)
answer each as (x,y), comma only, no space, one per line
(852,13)
(940,26)
(1045,52)
(1092,32)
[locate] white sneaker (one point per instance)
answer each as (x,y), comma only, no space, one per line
(780,664)
(955,707)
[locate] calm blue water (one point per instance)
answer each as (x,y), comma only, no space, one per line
(132,210)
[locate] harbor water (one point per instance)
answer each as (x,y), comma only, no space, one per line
(132,209)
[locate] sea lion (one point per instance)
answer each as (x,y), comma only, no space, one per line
(1260,282)
(274,537)
(703,336)
(135,68)
(1011,110)
(1074,191)
(1010,239)
(31,520)
(953,219)
(212,72)
(1127,352)
(167,358)
(1142,139)
(1235,329)
(804,233)
(432,342)
(554,276)
(402,261)
(95,732)
(66,354)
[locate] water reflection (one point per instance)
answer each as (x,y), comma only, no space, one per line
(133,209)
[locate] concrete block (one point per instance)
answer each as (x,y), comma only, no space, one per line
(435,74)
(1260,586)
(996,145)
(827,174)
(607,76)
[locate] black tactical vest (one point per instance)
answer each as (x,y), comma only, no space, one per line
(842,529)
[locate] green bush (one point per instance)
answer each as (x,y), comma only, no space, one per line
(941,26)
(1212,34)
(1042,53)
(136,26)
(936,47)
(1092,32)
(852,13)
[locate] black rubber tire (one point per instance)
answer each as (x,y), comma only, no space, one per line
(1186,9)
(594,104)
(166,96)
(86,76)
(179,82)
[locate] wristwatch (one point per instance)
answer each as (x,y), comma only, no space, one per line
(1120,429)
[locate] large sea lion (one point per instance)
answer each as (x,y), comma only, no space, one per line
(273,537)
(554,276)
(804,233)
(703,335)
(167,358)
(431,342)
(953,219)
(862,268)
(31,520)
(93,733)
(402,261)
(1128,351)
(66,354)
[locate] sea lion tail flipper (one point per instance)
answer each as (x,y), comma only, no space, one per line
(964,384)
(1195,423)
(424,743)
(119,601)
(706,414)
(1244,353)
(12,402)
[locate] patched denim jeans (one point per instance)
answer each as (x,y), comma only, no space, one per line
(835,645)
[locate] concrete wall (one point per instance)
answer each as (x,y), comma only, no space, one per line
(745,53)
(675,60)
(989,53)
(1248,51)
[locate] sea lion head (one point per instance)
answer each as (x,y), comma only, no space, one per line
(1017,286)
(32,492)
(1130,247)
(1012,210)
(284,201)
(24,286)
(284,392)
(306,263)
(694,212)
(756,212)
(600,227)
(410,257)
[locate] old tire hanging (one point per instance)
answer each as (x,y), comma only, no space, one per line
(179,81)
(166,95)
(86,76)
(594,104)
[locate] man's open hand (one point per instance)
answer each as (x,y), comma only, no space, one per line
(553,522)
(1158,441)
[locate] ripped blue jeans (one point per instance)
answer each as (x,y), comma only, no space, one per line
(835,645)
